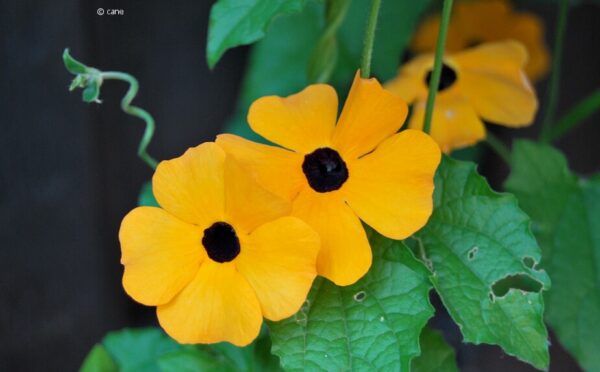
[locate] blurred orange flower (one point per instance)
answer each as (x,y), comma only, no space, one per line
(475,22)
(486,82)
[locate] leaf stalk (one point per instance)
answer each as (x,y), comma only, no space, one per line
(554,87)
(437,65)
(367,54)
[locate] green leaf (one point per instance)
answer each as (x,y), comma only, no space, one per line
(86,77)
(92,91)
(139,349)
(263,359)
(240,22)
(190,360)
(566,213)
(73,65)
(371,325)
(436,354)
(222,357)
(99,360)
(146,197)
(475,238)
(278,63)
(150,349)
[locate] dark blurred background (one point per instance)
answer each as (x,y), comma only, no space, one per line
(69,172)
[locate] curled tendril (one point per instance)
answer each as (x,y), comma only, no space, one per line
(91,79)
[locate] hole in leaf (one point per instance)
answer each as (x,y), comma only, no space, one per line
(472,253)
(360,296)
(492,297)
(529,262)
(517,281)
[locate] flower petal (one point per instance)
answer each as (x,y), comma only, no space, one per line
(279,261)
(492,78)
(425,38)
(454,123)
(482,21)
(218,305)
(248,204)
(475,22)
(345,254)
(492,57)
(161,254)
(410,83)
(277,170)
(391,189)
(301,122)
(528,28)
(370,115)
(191,187)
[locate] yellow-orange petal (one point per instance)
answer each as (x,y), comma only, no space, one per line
(492,57)
(218,305)
(370,115)
(161,254)
(482,21)
(247,204)
(410,84)
(279,261)
(529,29)
(425,37)
(300,122)
(454,123)
(190,187)
(277,170)
(492,79)
(391,189)
(345,254)
(475,22)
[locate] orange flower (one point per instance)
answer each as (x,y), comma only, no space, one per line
(336,175)
(486,82)
(219,254)
(475,22)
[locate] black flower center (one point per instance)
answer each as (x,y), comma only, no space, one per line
(221,242)
(447,78)
(325,170)
(472,43)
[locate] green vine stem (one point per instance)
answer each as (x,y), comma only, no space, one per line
(367,54)
(574,117)
(324,56)
(91,79)
(553,90)
(437,65)
(499,148)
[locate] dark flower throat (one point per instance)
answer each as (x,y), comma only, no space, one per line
(221,242)
(447,78)
(325,170)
